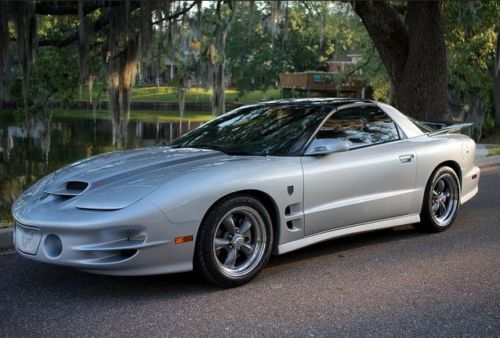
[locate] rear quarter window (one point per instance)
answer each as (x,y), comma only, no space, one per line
(360,126)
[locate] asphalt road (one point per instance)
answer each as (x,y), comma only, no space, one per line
(395,282)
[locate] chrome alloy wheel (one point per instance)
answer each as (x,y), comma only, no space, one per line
(444,199)
(239,241)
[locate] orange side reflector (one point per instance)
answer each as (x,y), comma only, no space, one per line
(183,239)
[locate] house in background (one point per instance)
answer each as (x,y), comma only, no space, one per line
(149,74)
(338,78)
(343,64)
(169,71)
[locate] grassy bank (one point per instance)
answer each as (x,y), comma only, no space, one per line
(157,115)
(5,224)
(492,142)
(169,94)
(141,115)
(493,149)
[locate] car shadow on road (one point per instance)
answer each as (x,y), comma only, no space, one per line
(56,280)
(344,245)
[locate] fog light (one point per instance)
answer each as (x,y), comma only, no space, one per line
(52,246)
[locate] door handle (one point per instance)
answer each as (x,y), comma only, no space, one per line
(406,158)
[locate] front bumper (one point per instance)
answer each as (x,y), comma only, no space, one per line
(470,184)
(139,240)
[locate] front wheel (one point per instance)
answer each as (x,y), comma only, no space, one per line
(234,241)
(441,200)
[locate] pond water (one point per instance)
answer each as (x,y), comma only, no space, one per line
(28,154)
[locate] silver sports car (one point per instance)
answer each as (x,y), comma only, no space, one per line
(267,178)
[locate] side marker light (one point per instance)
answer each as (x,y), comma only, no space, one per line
(183,239)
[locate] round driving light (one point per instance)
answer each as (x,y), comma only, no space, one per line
(52,246)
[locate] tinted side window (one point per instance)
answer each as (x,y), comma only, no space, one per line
(361,127)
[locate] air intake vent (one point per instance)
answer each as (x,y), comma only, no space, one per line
(68,189)
(75,186)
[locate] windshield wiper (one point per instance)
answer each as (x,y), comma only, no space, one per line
(239,152)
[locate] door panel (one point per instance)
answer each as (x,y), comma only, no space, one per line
(357,186)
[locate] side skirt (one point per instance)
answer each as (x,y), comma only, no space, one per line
(350,230)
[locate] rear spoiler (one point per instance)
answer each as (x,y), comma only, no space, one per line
(445,128)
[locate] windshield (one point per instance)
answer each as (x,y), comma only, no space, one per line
(282,129)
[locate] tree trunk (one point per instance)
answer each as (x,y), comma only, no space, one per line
(213,97)
(496,77)
(122,61)
(423,91)
(4,54)
(113,105)
(182,103)
(496,88)
(90,87)
(219,98)
(413,54)
(25,27)
(218,59)
(159,55)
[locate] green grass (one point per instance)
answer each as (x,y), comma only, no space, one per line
(169,94)
(5,224)
(492,141)
(493,149)
(142,115)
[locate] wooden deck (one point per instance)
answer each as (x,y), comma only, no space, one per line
(320,82)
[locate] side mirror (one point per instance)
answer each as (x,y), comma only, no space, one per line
(326,146)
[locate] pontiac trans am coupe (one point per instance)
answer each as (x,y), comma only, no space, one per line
(267,178)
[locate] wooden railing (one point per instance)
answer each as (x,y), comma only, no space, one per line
(319,81)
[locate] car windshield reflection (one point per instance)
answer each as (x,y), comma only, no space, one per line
(281,129)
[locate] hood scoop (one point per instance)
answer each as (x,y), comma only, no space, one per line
(68,189)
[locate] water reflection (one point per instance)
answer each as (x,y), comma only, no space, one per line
(29,153)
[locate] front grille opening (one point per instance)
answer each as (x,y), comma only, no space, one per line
(65,197)
(76,186)
(128,253)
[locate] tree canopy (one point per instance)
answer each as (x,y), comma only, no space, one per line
(433,60)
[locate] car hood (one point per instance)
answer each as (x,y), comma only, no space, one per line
(115,180)
(131,167)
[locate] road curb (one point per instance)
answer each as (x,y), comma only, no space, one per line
(6,233)
(6,239)
(488,161)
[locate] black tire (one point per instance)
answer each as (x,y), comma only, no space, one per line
(439,210)
(220,254)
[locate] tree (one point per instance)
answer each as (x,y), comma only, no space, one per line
(53,79)
(121,67)
(470,41)
(118,29)
(254,62)
(4,53)
(267,40)
(496,76)
(216,54)
(412,49)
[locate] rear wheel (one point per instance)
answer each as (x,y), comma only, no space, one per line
(234,241)
(441,200)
